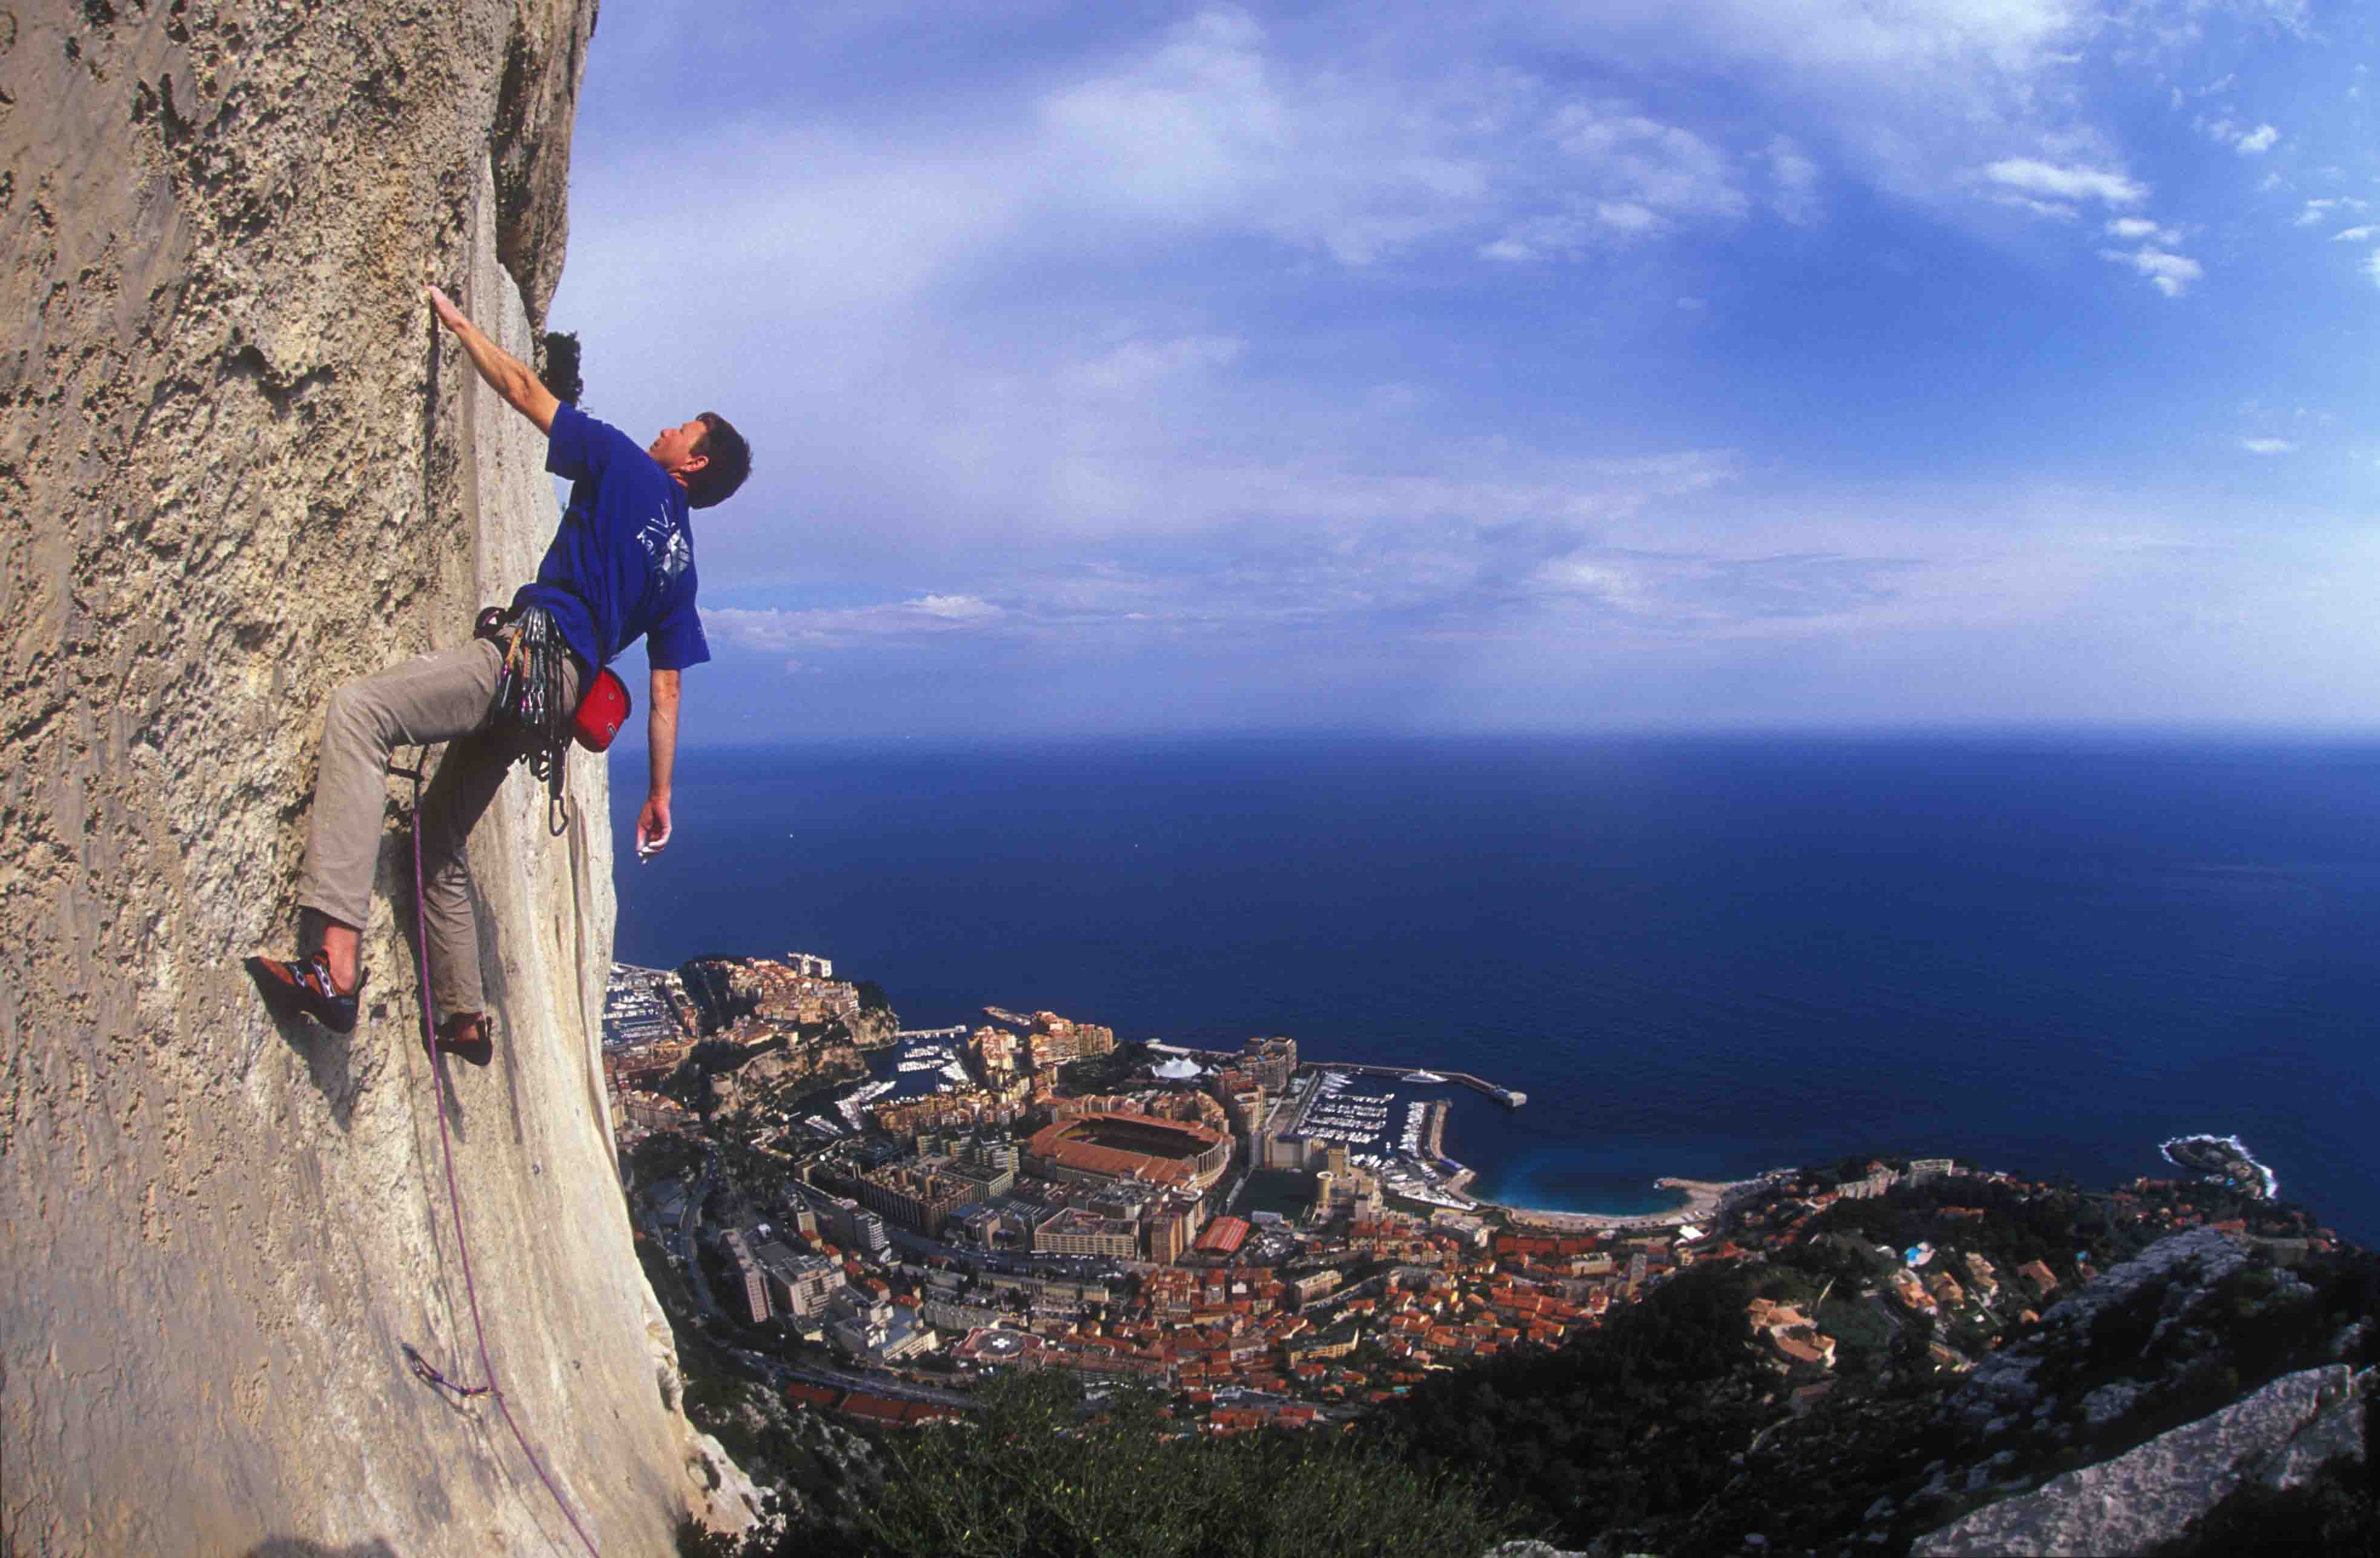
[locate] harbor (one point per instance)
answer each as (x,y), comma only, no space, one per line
(1402,1140)
(1329,1110)
(1510,1097)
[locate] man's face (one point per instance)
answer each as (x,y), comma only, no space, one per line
(672,450)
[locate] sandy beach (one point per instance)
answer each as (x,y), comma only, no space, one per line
(1703,1199)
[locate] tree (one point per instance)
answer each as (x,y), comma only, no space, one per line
(560,374)
(1033,1477)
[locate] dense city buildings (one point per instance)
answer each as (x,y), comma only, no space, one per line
(1054,1040)
(1000,1218)
(799,989)
(1270,1061)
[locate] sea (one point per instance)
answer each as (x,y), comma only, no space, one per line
(1699,957)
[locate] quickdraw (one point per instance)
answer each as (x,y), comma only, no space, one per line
(428,1374)
(528,694)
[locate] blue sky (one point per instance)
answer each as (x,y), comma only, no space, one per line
(1510,367)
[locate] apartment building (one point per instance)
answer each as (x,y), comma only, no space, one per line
(1080,1231)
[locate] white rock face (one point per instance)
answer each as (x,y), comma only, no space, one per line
(226,486)
(2279,1435)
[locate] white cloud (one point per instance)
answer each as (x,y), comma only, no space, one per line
(2053,211)
(2136,229)
(1222,126)
(774,632)
(954,608)
(2030,176)
(1136,366)
(2372,266)
(1618,175)
(765,632)
(2355,235)
(1186,131)
(1725,594)
(1794,180)
(2169,274)
(2246,140)
(1631,155)
(2268,445)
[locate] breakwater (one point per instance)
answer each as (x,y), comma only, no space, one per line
(1512,1098)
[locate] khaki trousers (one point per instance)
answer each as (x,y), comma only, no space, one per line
(441,697)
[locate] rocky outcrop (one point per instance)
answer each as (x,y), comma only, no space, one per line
(2121,1350)
(805,1065)
(2137,1373)
(235,471)
(2277,1437)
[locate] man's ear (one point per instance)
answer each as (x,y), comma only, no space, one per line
(693,463)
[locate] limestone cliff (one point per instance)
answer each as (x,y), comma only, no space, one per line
(235,470)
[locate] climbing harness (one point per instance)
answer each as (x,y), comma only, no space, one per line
(529,694)
(421,1368)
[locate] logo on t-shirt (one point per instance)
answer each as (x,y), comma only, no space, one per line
(666,544)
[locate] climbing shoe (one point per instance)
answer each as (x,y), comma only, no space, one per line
(465,1036)
(305,987)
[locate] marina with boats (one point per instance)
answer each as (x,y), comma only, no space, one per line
(1414,1166)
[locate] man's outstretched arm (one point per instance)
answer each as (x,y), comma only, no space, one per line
(661,750)
(506,373)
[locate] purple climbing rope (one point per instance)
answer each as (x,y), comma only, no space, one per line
(422,1370)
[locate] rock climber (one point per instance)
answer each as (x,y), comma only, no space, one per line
(620,567)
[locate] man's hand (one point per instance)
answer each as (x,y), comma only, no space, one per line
(660,753)
(448,314)
(652,826)
(506,373)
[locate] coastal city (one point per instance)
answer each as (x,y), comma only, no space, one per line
(876,1218)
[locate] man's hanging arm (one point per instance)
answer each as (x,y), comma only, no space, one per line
(661,750)
(506,373)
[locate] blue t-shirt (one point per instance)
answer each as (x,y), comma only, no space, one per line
(622,565)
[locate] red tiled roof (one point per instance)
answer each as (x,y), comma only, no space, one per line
(1225,1233)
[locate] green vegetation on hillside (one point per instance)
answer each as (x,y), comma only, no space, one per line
(1636,1419)
(1032,1477)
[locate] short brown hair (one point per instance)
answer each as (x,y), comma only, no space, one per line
(729,462)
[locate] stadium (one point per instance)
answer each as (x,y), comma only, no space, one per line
(1093,1148)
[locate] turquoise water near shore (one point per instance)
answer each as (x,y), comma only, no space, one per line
(1700,957)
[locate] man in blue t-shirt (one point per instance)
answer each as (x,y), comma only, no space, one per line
(620,568)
